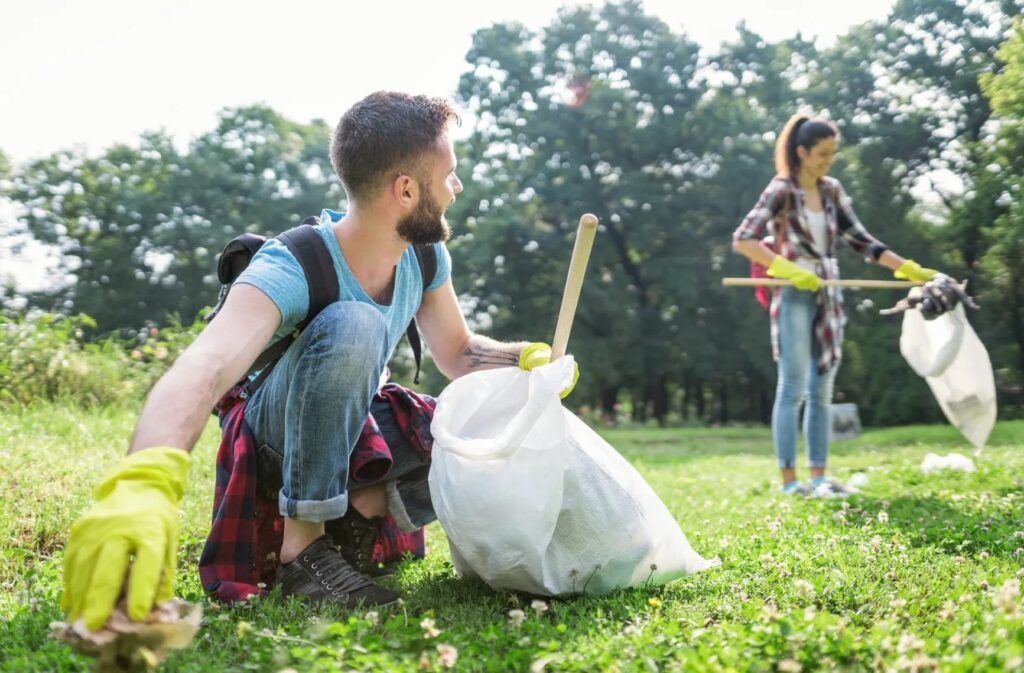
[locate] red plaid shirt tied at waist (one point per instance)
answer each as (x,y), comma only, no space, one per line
(240,555)
(781,213)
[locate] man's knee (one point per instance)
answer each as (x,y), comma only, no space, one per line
(349,332)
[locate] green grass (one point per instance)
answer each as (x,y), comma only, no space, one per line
(915,574)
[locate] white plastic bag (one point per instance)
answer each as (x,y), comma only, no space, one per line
(929,346)
(533,500)
(964,386)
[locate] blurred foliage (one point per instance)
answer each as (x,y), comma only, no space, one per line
(608,110)
(140,228)
(46,357)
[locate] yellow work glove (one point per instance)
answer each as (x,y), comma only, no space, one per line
(911,270)
(135,515)
(802,278)
(537,354)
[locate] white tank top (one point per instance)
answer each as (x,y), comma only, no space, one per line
(818,227)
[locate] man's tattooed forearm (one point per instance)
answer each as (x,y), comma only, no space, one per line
(479,355)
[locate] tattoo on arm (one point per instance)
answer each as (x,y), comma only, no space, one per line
(487,355)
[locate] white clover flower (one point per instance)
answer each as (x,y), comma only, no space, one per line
(372,617)
(516,617)
(539,605)
(790,666)
(883,517)
(1007,598)
(909,643)
(447,655)
(429,630)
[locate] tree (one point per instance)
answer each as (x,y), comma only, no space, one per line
(139,227)
(999,186)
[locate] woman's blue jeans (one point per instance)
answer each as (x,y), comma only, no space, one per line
(312,408)
(799,381)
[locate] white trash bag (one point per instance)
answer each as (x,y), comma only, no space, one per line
(533,500)
(949,355)
(930,346)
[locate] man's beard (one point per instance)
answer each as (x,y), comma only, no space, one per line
(426,224)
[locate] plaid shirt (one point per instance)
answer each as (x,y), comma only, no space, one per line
(781,214)
(240,556)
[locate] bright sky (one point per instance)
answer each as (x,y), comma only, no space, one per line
(103,71)
(97,72)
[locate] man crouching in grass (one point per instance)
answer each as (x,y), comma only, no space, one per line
(394,157)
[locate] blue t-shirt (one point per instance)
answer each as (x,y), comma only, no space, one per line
(278,274)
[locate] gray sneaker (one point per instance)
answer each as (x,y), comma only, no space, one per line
(830,488)
(320,573)
(355,535)
(800,489)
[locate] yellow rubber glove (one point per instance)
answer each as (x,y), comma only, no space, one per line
(911,270)
(802,278)
(537,354)
(135,515)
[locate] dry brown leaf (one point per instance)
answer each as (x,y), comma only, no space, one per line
(126,646)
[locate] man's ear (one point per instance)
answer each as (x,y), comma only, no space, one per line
(405,191)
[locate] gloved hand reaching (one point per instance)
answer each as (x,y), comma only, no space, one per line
(136,514)
(802,278)
(537,354)
(911,270)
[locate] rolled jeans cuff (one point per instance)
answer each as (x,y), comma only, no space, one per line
(787,464)
(313,511)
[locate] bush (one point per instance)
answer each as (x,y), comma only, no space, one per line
(46,356)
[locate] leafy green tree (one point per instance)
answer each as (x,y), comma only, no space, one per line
(999,186)
(140,227)
(601,113)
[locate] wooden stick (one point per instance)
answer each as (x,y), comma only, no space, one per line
(844,282)
(573,283)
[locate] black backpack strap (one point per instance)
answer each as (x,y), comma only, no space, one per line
(233,259)
(309,249)
(426,256)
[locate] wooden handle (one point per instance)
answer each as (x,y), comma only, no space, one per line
(852,282)
(573,283)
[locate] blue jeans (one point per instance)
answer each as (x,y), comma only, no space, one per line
(799,380)
(311,410)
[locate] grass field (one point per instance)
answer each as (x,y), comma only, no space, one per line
(921,572)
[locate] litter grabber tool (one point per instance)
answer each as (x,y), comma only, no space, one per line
(867,283)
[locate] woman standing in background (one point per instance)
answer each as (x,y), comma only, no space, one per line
(804,212)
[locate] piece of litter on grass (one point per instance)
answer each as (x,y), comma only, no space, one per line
(126,646)
(858,480)
(954,461)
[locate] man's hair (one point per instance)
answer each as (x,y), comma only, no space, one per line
(384,134)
